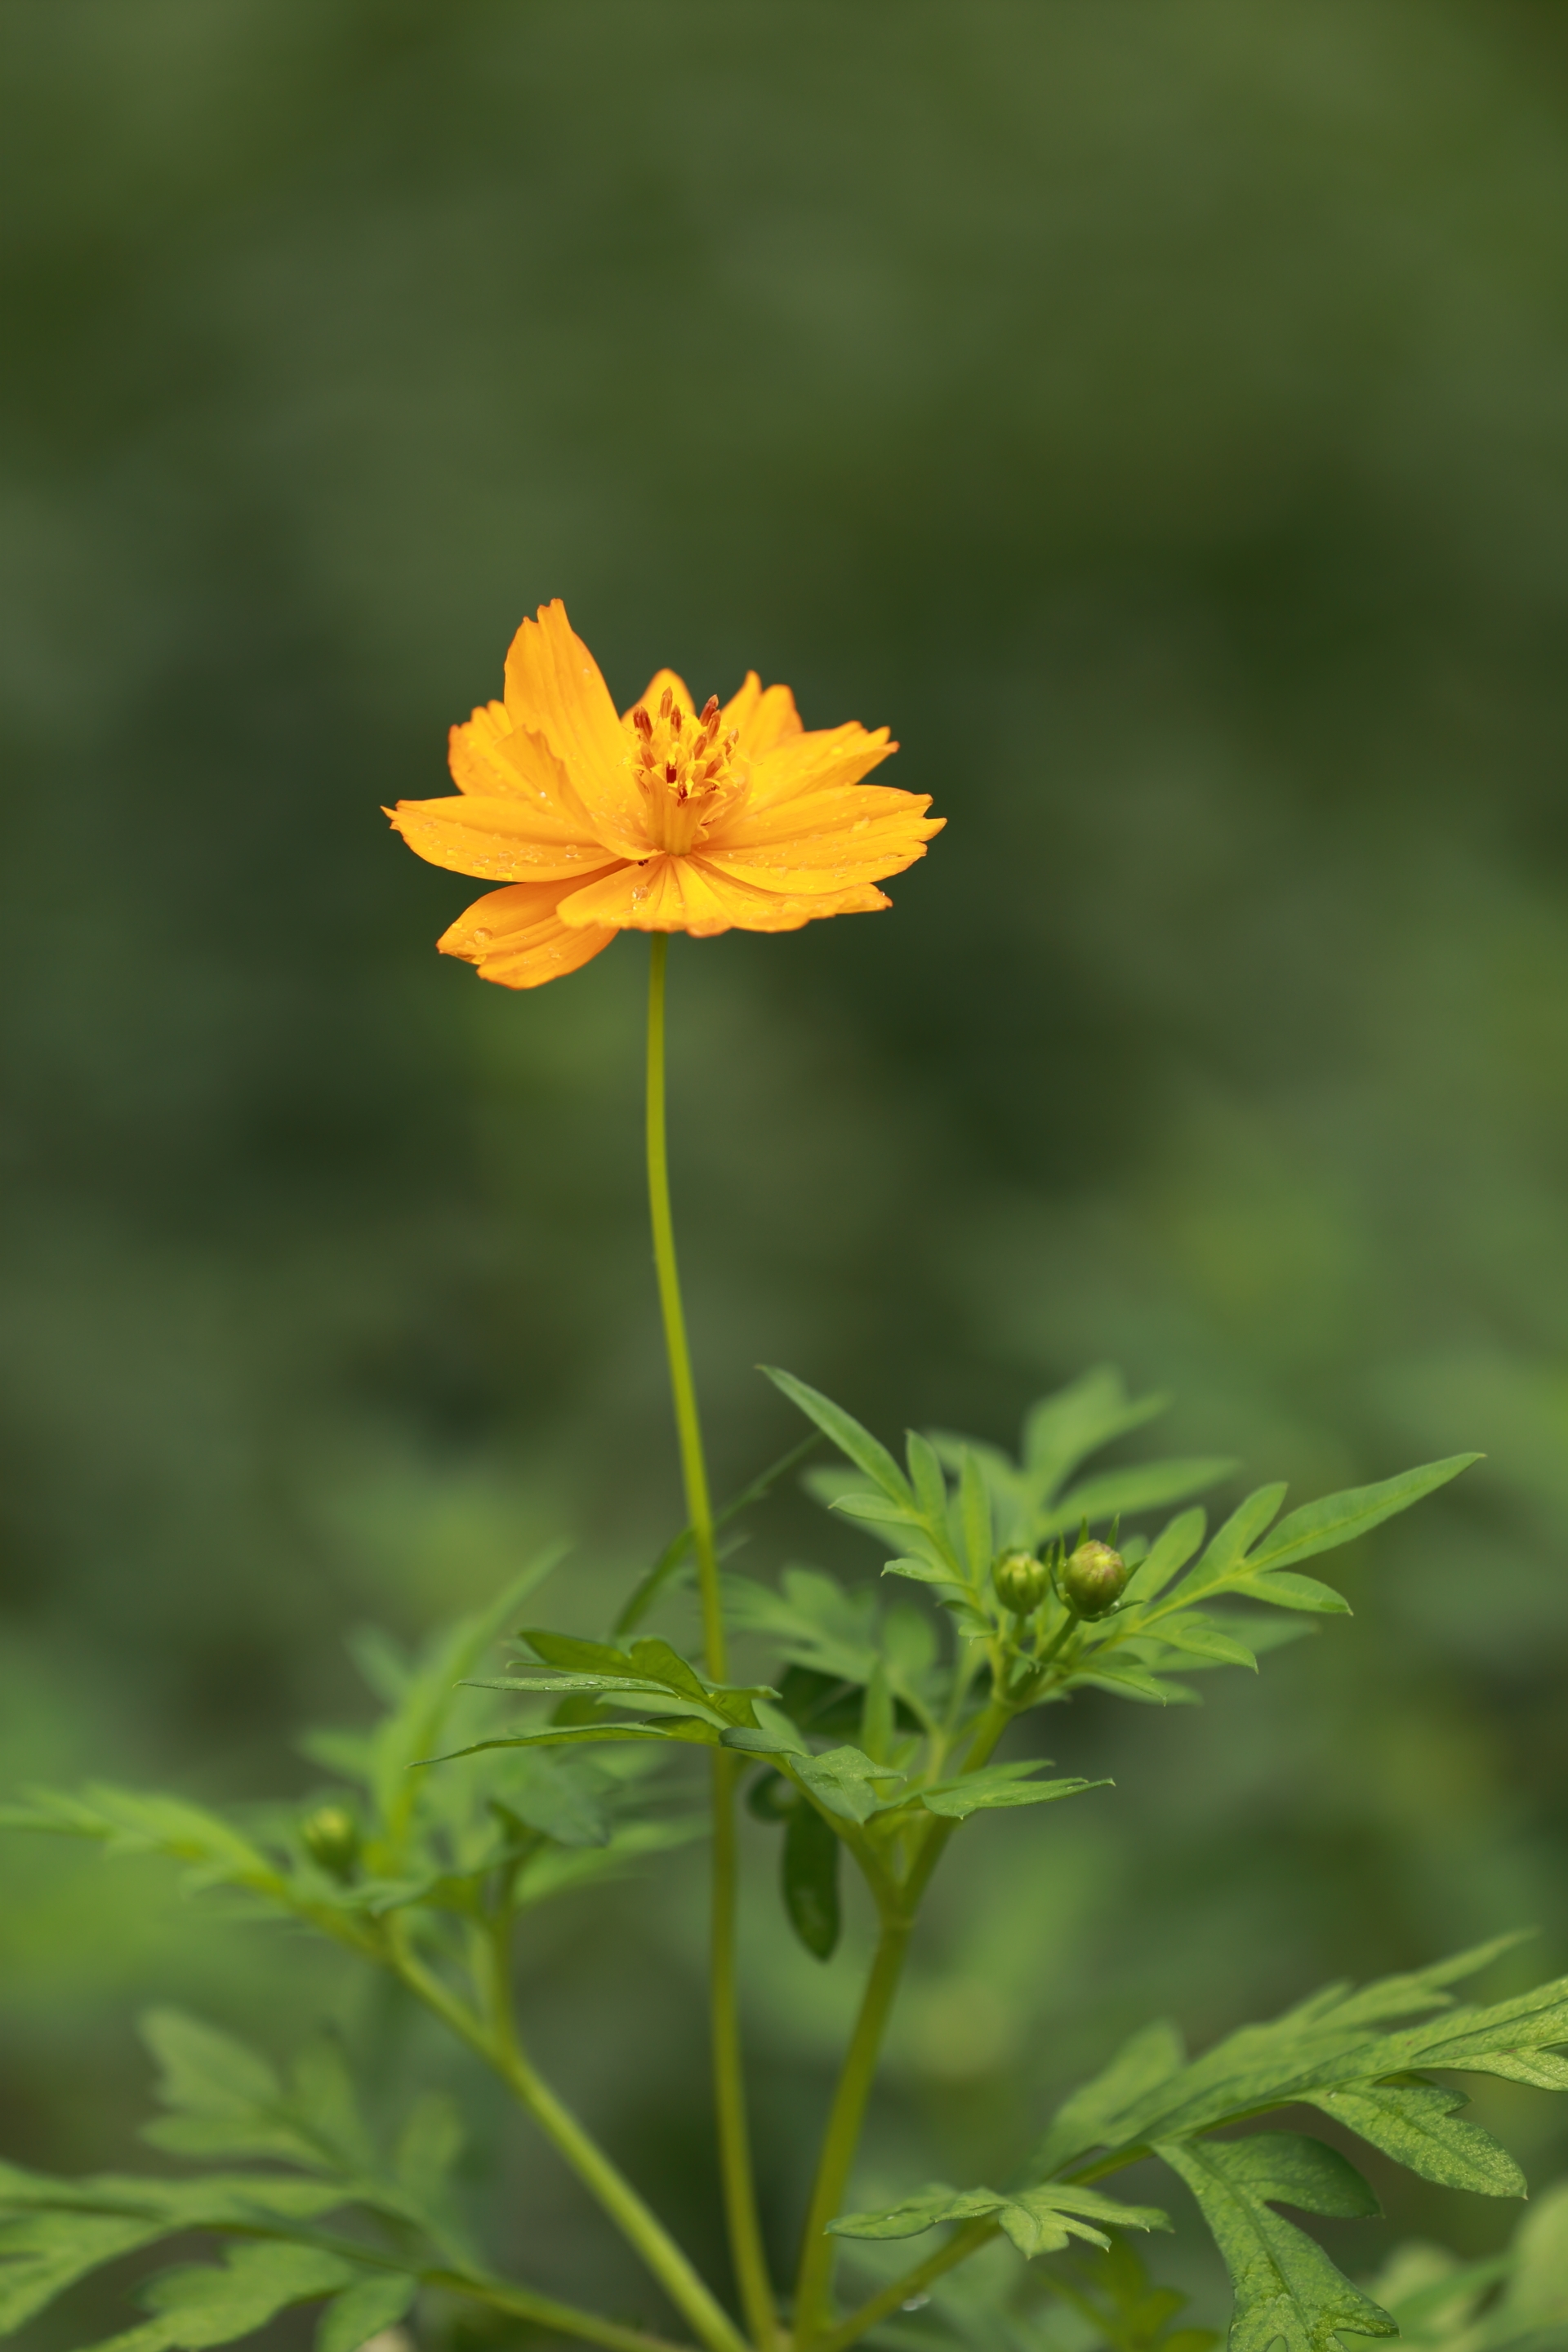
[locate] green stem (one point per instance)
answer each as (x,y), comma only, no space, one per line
(497,2043)
(543,2311)
(815,2280)
(914,2281)
(729,2080)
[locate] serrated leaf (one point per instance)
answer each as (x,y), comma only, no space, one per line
(204,2303)
(1084,2120)
(1334,2041)
(42,2253)
(1418,2125)
(377,2301)
(809,1879)
(1039,2221)
(1287,2289)
(857,1444)
(1339,1519)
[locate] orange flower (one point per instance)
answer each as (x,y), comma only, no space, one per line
(666,819)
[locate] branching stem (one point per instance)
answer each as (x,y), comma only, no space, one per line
(493,2038)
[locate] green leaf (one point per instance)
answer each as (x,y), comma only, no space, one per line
(811,1620)
(857,1444)
(1143,1487)
(880,1513)
(1283,1590)
(42,2253)
(1286,2287)
(1170,1551)
(845,1782)
(376,2301)
(1245,1525)
(677,1554)
(999,1785)
(225,2100)
(926,1475)
(1038,2221)
(1190,1631)
(1129,1681)
(547,1794)
(924,1571)
(1085,2120)
(1061,1430)
(572,1655)
(555,1870)
(407,1735)
(202,2304)
(1334,2041)
(775,1735)
(1417,2124)
(1339,1519)
(974,1519)
(809,1871)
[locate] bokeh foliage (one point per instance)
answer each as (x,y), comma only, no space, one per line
(1157,416)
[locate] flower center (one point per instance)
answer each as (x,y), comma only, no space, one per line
(683,769)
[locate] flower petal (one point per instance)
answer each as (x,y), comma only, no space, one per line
(761,719)
(553,689)
(499,839)
(489,757)
(693,894)
(809,762)
(648,698)
(857,832)
(515,936)
(664,894)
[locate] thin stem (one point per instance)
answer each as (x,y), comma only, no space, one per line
(913,2282)
(729,2080)
(683,1389)
(497,2045)
(814,2282)
(543,2311)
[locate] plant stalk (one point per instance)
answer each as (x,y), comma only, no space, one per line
(815,2280)
(729,2080)
(496,2043)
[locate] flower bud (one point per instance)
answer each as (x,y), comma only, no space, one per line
(1092,1579)
(331,1837)
(1021,1582)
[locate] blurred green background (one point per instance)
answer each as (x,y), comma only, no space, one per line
(1158,416)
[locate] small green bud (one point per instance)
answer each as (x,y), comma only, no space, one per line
(330,1836)
(1093,1578)
(1021,1582)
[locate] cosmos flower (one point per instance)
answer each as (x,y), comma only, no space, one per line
(665,818)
